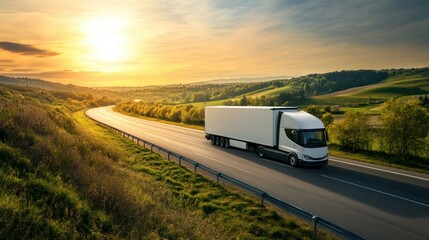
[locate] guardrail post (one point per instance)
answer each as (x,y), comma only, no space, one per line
(195,167)
(315,219)
(217,177)
(180,160)
(138,141)
(168,155)
(262,199)
(151,148)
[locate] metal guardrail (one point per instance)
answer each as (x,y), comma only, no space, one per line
(265,197)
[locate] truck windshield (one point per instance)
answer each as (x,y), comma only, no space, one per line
(312,138)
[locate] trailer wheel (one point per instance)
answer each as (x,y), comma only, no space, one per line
(217,140)
(260,151)
(227,142)
(212,140)
(293,160)
(222,142)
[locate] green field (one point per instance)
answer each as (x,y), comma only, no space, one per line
(395,87)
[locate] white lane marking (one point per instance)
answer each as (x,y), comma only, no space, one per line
(381,170)
(375,190)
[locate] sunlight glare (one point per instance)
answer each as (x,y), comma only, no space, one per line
(106,38)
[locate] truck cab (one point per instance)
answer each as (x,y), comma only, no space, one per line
(304,137)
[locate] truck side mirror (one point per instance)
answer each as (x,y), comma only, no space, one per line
(326,136)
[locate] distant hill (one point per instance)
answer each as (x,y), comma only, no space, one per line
(43,84)
(242,80)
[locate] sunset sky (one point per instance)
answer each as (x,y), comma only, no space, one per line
(138,43)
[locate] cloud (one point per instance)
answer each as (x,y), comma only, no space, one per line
(370,23)
(26,49)
(24,70)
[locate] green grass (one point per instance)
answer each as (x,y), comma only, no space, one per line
(42,206)
(270,92)
(383,159)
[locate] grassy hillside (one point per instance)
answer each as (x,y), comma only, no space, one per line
(37,83)
(58,87)
(64,177)
(397,86)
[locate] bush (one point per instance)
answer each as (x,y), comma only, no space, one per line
(352,132)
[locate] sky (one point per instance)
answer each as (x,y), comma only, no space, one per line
(157,42)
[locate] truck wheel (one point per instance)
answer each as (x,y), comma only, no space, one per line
(293,160)
(260,152)
(212,140)
(217,140)
(222,142)
(227,142)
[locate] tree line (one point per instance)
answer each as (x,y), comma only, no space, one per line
(176,113)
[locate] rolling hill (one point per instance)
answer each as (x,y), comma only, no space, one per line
(397,86)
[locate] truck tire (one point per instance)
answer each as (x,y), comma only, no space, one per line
(212,140)
(217,141)
(227,142)
(260,152)
(222,141)
(293,160)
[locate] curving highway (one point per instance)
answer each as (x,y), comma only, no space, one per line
(372,201)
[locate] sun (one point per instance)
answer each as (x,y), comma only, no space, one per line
(106,38)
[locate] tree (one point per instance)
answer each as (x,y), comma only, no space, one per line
(327,119)
(405,125)
(352,132)
(314,110)
(243,101)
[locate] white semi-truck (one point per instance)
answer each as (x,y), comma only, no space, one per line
(281,133)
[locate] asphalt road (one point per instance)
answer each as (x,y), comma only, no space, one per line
(372,201)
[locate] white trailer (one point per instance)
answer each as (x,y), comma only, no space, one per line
(282,133)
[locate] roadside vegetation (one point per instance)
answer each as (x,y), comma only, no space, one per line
(401,138)
(64,177)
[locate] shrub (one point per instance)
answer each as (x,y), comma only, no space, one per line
(352,132)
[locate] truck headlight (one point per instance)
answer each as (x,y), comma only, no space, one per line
(306,157)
